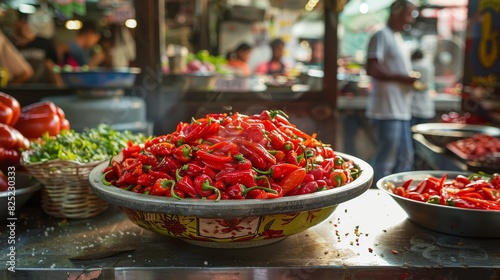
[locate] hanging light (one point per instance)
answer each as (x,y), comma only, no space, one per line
(131,23)
(363,7)
(73,24)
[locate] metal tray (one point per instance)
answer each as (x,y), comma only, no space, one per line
(445,219)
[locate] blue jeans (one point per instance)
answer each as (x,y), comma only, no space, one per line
(394,148)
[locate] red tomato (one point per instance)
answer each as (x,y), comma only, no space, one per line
(13,104)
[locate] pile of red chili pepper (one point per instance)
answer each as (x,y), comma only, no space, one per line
(477,191)
(233,156)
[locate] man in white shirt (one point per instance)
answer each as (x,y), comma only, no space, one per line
(389,105)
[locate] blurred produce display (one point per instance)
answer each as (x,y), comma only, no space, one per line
(204,63)
(465,118)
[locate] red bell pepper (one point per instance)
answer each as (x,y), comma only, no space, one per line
(12,143)
(40,118)
(9,109)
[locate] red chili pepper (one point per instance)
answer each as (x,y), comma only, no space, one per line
(137,189)
(304,188)
(308,178)
(126,179)
(145,180)
(185,185)
(255,133)
(243,163)
(245,177)
(129,151)
(239,191)
(192,169)
(159,174)
(161,149)
(256,160)
(407,184)
(338,178)
(183,153)
(161,187)
(491,193)
(204,187)
(168,165)
(291,157)
(317,172)
(462,179)
(278,171)
(257,149)
(224,147)
(279,155)
(213,139)
(292,180)
(205,156)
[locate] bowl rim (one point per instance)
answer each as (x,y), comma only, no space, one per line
(33,187)
(380,186)
(453,129)
(115,70)
(233,208)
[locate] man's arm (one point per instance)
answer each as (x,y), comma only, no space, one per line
(379,72)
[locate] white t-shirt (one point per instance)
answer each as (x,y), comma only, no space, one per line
(389,100)
(423,105)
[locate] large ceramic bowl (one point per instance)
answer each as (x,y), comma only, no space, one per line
(231,223)
(25,186)
(445,219)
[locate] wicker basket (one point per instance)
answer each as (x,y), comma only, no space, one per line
(66,192)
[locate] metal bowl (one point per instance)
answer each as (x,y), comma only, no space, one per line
(441,134)
(102,79)
(231,223)
(445,219)
(25,186)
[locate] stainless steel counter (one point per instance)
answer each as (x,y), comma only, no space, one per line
(366,238)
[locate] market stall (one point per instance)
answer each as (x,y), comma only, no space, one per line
(239,177)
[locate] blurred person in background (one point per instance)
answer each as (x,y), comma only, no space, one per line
(389,104)
(83,50)
(12,63)
(238,59)
(38,51)
(423,108)
(275,66)
(118,47)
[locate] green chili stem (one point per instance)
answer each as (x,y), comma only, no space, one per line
(103,178)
